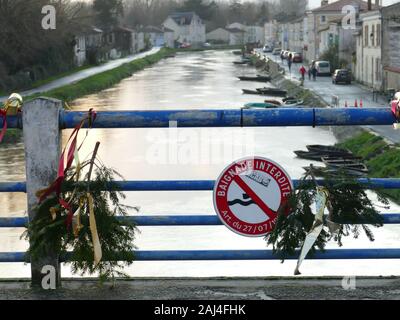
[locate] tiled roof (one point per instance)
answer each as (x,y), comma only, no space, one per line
(338,5)
(235,30)
(183,18)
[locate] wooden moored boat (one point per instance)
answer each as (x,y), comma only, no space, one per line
(246,91)
(272,91)
(309,155)
(327,149)
(318,156)
(293,103)
(276,102)
(349,165)
(256,78)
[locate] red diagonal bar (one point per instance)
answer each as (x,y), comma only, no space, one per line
(271,214)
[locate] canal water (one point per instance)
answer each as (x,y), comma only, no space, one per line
(204,80)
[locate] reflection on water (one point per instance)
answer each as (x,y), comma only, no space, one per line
(206,80)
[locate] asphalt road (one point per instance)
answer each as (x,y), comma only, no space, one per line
(212,289)
(325,89)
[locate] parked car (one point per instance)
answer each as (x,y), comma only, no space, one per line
(286,54)
(267,49)
(276,51)
(323,68)
(341,75)
(206,45)
(297,57)
(185,45)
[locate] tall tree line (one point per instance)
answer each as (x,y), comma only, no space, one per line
(216,13)
(28,52)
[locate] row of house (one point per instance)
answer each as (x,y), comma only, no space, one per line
(366,35)
(237,34)
(95,45)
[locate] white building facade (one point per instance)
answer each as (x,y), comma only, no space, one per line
(188,27)
(368,62)
(220,35)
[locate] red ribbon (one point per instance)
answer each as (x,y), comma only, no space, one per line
(64,167)
(3,114)
(395,109)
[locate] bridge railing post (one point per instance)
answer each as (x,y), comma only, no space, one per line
(42,139)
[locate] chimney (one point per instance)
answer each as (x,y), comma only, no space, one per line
(369,5)
(324,3)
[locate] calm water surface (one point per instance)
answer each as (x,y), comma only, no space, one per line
(206,80)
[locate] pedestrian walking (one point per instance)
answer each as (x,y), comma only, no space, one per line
(314,70)
(290,61)
(314,73)
(303,74)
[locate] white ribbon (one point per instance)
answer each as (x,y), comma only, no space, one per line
(320,203)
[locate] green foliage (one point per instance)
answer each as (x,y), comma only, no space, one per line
(29,53)
(12,136)
(108,12)
(116,238)
(205,9)
(349,203)
(332,55)
(382,160)
(365,145)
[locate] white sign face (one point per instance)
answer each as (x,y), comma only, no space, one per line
(249,193)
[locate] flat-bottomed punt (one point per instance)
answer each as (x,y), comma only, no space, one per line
(256,78)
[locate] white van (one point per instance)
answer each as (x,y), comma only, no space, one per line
(323,68)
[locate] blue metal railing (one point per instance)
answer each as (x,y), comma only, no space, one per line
(217,118)
(199,255)
(227,118)
(198,185)
(174,220)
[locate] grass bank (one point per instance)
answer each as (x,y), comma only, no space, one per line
(103,80)
(381,159)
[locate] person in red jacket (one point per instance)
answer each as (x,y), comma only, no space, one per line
(303,72)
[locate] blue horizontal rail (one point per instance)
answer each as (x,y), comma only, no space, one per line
(198,185)
(227,118)
(198,255)
(184,220)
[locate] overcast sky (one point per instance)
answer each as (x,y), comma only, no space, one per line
(317,3)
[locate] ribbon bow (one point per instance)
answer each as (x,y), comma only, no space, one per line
(395,106)
(11,106)
(69,154)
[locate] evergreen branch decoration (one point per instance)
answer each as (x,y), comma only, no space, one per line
(349,210)
(116,238)
(83,224)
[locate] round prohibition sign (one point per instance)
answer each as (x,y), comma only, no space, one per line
(248,194)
